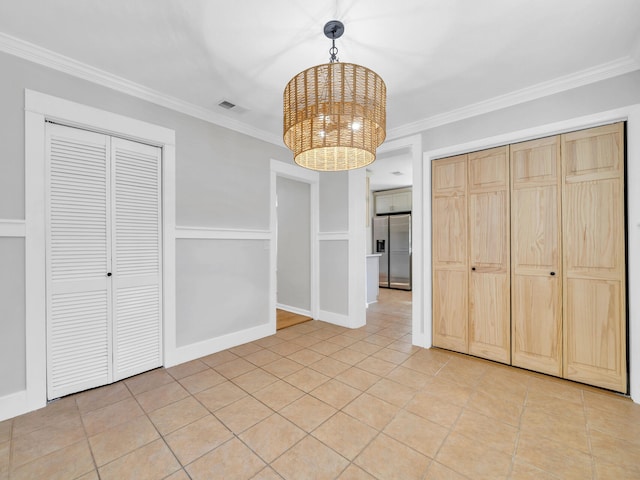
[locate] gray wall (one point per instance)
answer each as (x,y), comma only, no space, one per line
(334,253)
(12,302)
(334,202)
(222,181)
(221,287)
(294,243)
(334,280)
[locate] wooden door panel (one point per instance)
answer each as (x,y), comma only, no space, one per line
(535,162)
(537,326)
(450,175)
(450,230)
(596,152)
(450,309)
(535,226)
(489,309)
(594,330)
(488,169)
(594,226)
(489,241)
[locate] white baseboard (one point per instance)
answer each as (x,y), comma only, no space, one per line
(420,340)
(13,405)
(207,347)
(296,310)
(336,319)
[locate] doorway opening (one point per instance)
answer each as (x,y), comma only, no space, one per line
(294,252)
(390,239)
(285,319)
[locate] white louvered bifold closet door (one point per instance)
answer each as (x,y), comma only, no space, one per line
(78,289)
(103,259)
(136,257)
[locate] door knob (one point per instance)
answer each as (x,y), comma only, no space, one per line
(108,274)
(552,273)
(473,268)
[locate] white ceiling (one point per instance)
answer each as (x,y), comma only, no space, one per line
(436,56)
(392,169)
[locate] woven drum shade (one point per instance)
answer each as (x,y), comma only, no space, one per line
(335,116)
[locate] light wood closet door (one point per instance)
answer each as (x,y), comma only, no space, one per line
(450,257)
(536,275)
(489,254)
(594,257)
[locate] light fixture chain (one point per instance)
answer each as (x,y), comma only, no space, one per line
(333,52)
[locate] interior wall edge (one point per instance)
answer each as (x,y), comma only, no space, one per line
(357,268)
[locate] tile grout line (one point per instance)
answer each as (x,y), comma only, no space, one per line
(86,437)
(146,414)
(594,466)
(11,448)
(514,453)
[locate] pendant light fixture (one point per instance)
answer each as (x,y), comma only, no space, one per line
(335,113)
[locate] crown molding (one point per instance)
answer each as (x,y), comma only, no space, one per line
(584,77)
(42,56)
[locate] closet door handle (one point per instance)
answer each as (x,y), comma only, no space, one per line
(109,274)
(473,268)
(552,273)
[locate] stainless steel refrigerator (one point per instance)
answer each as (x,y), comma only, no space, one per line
(392,240)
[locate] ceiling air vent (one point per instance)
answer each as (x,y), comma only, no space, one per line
(227,105)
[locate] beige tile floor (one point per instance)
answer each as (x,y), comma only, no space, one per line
(319,401)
